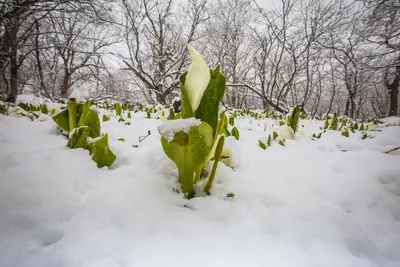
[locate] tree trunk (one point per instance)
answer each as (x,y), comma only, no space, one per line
(13,60)
(393,89)
(64,85)
(159,95)
(393,104)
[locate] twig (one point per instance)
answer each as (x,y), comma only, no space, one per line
(393,149)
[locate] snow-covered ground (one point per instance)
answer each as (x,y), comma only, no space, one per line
(333,201)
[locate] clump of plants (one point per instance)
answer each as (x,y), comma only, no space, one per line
(288,129)
(81,124)
(197,136)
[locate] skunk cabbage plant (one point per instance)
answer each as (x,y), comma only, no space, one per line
(190,140)
(82,124)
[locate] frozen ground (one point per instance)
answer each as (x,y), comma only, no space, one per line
(334,201)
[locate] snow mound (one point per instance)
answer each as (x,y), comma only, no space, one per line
(170,128)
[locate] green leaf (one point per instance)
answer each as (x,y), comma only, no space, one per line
(231,120)
(171,114)
(121,119)
(262,145)
(186,108)
(118,109)
(365,136)
(105,118)
(61,118)
(334,123)
(209,104)
(79,137)
(101,153)
(293,118)
(3,109)
(44,109)
(275,135)
(72,114)
(326,125)
(90,118)
(121,139)
(345,134)
(230,195)
(235,133)
(282,142)
(129,115)
(269,140)
(188,151)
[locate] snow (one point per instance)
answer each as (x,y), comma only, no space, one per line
(170,128)
(333,201)
(76,93)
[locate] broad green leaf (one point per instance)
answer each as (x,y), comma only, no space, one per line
(44,109)
(82,113)
(365,136)
(235,133)
(101,153)
(93,121)
(61,118)
(171,114)
(118,109)
(186,108)
(23,106)
(209,104)
(346,134)
(231,120)
(292,119)
(79,137)
(262,145)
(72,114)
(105,118)
(188,151)
(90,118)
(335,123)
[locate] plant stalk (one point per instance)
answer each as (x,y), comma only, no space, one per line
(217,157)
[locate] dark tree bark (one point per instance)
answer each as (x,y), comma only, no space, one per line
(393,88)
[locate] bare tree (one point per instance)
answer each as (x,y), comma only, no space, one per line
(382,30)
(155,36)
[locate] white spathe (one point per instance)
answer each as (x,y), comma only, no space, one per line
(286,132)
(197,78)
